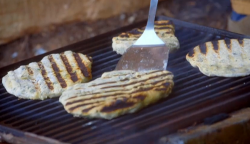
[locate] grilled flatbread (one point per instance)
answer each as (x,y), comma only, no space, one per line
(117,93)
(225,58)
(164,29)
(49,77)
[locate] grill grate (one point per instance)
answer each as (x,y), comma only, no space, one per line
(194,97)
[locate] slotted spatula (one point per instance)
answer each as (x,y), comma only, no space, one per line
(149,52)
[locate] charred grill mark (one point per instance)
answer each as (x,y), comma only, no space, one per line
(161,89)
(156,72)
(122,35)
(165,74)
(167,84)
(44,74)
(29,70)
(163,23)
(228,43)
(166,28)
(115,75)
(136,81)
(140,97)
(75,107)
(90,59)
(104,83)
(118,104)
(160,81)
(72,108)
(191,53)
(83,68)
(151,72)
(135,31)
(125,79)
(215,45)
(92,98)
(57,72)
(168,32)
(203,48)
(142,90)
(72,97)
(112,91)
(241,42)
(88,109)
(77,101)
(73,75)
(31,74)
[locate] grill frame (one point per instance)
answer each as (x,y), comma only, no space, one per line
(182,109)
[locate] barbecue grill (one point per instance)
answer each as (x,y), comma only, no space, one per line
(194,97)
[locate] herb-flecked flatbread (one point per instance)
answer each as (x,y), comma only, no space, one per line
(117,93)
(49,77)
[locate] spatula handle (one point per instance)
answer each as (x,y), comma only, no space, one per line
(151,15)
(149,36)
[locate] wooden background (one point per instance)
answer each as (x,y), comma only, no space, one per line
(20,17)
(56,27)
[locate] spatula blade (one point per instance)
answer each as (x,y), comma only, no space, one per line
(144,58)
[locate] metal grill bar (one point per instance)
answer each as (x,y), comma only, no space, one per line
(45,121)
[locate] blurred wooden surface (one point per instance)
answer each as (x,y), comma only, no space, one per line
(241,6)
(20,17)
(212,13)
(242,26)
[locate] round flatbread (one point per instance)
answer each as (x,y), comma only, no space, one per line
(225,58)
(49,77)
(117,93)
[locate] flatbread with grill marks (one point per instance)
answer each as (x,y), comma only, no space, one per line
(117,93)
(164,29)
(225,58)
(49,77)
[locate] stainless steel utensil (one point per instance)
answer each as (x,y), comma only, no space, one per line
(149,52)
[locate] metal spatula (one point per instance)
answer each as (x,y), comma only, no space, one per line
(149,52)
